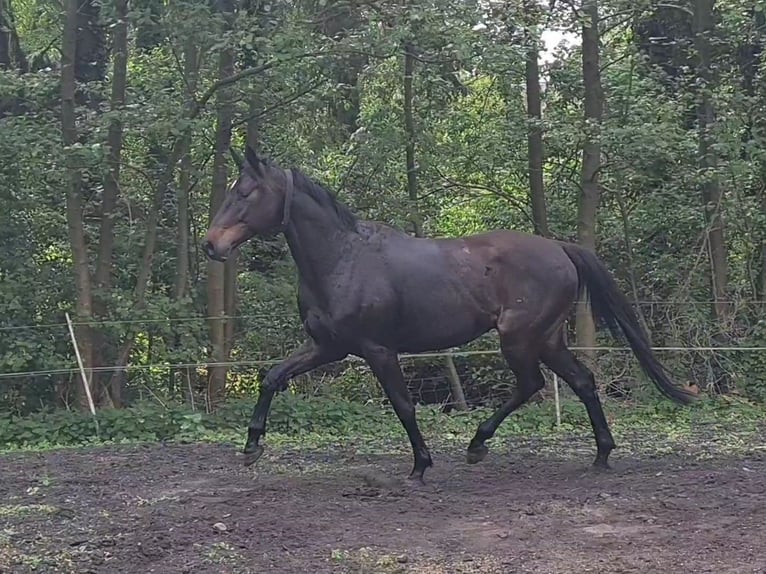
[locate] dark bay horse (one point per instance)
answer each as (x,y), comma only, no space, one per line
(369,290)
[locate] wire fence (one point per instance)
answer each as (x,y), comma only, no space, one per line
(487,384)
(481,363)
(272,316)
(404,356)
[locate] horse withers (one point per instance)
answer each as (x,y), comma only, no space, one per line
(369,290)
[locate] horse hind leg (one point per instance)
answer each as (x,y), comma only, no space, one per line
(525,366)
(581,380)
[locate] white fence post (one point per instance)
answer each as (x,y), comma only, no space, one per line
(83,374)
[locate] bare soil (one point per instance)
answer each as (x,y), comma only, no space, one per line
(194,508)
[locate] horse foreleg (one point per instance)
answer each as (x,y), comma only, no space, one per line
(307,357)
(385,366)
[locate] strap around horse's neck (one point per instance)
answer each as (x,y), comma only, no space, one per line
(289,193)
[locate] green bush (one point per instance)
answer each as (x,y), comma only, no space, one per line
(290,415)
(300,417)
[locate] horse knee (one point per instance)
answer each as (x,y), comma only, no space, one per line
(273,383)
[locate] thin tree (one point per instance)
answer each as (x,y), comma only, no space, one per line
(183,243)
(458,395)
(12,56)
(712,197)
(590,190)
(111,187)
(534,116)
(217,272)
(84,302)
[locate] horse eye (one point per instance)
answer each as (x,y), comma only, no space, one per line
(243,192)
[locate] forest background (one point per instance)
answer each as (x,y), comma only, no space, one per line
(641,134)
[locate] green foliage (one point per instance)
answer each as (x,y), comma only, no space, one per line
(329,100)
(318,420)
(290,415)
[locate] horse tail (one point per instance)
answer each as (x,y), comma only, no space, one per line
(609,305)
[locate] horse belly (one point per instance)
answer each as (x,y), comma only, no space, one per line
(439,325)
(423,300)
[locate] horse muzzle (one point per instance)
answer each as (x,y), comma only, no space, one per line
(213,253)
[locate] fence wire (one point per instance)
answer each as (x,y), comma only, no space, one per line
(272,316)
(428,383)
(404,356)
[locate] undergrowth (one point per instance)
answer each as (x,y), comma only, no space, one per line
(307,421)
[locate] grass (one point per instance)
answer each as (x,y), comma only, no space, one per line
(17,510)
(710,426)
(368,561)
(222,553)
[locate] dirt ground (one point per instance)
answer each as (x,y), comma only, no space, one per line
(193,508)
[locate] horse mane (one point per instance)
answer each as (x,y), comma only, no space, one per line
(325,199)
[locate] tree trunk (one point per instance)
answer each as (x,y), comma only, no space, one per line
(183,258)
(711,189)
(761,287)
(183,246)
(409,134)
(458,396)
(752,60)
(114,152)
(182,282)
(144,273)
(90,61)
(626,232)
(183,243)
(217,272)
(590,194)
(12,57)
(231,269)
(759,56)
(103,273)
(84,305)
(534,126)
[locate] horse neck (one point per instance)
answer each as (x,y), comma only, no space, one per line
(316,239)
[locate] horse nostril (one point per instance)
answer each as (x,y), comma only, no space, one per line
(212,252)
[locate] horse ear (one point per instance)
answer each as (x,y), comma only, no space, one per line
(252,159)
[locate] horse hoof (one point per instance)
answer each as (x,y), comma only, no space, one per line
(415,480)
(253,455)
(476,454)
(601,466)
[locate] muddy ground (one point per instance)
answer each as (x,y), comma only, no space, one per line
(194,508)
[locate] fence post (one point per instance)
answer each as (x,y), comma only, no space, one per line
(456,387)
(83,374)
